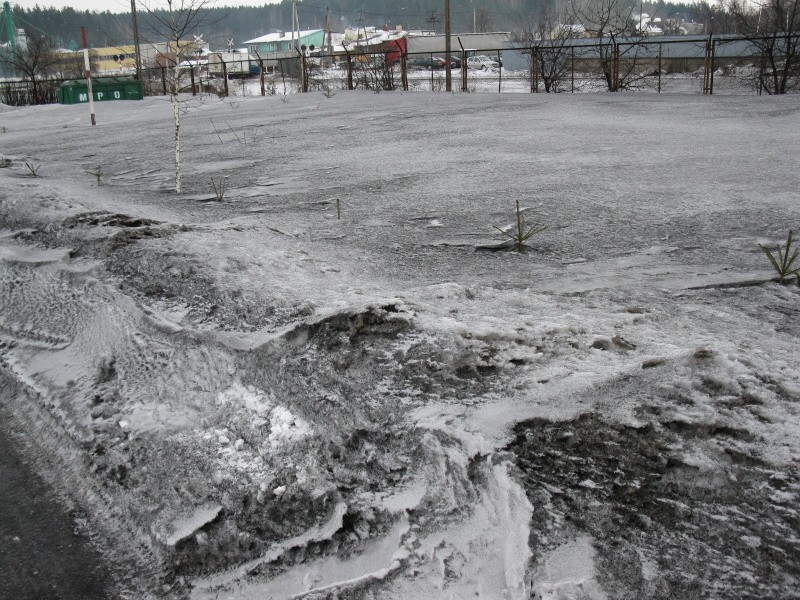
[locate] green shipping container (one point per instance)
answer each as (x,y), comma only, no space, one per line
(103,88)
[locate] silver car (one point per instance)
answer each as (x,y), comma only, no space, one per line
(482,62)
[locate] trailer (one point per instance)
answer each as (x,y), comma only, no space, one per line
(232,64)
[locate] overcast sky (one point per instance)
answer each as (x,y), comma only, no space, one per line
(121,5)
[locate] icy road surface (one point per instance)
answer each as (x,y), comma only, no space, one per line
(319,388)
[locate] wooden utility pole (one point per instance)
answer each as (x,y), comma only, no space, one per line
(137,49)
(447,50)
(296,45)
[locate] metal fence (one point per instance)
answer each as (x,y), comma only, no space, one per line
(21,92)
(726,64)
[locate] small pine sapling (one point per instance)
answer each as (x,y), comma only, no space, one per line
(522,232)
(784,262)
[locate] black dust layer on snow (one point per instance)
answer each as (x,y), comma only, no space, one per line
(354,375)
(662,528)
(720,535)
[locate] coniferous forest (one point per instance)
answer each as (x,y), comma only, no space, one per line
(246,22)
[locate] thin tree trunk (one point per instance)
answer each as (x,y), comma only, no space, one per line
(774,65)
(787,64)
(176,116)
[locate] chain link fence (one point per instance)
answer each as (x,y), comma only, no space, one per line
(727,64)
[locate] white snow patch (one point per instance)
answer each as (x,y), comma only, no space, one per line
(18,253)
(493,542)
(407,499)
(375,562)
(569,573)
(286,428)
(186,527)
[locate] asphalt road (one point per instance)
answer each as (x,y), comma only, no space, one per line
(42,556)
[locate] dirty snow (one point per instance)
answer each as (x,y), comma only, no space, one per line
(325,388)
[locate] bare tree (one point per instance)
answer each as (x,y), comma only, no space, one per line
(483,21)
(71,66)
(374,67)
(36,61)
(773,28)
(609,20)
(550,48)
(174,24)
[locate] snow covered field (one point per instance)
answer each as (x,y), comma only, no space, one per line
(254,398)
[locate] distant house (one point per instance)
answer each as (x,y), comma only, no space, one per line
(113,60)
(390,43)
(564,31)
(692,28)
(168,54)
(282,44)
(650,26)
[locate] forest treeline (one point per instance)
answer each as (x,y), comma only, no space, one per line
(246,22)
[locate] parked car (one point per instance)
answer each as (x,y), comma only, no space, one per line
(455,62)
(494,58)
(482,62)
(427,62)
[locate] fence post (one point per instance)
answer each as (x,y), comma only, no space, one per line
(463,66)
(261,76)
(404,70)
(500,73)
(534,70)
(431,64)
(224,75)
(464,72)
(191,77)
(164,79)
(660,48)
(349,73)
(708,70)
(614,66)
(713,56)
(572,71)
(303,78)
